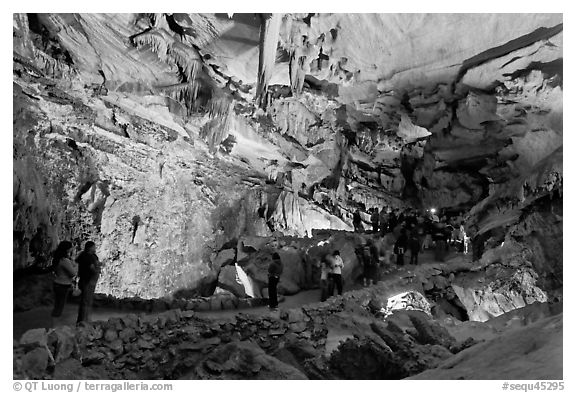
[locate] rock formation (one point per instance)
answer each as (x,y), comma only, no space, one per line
(190,147)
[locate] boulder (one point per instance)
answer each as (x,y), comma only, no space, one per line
(34,338)
(72,369)
(110,335)
(430,331)
(224,257)
(35,362)
(501,290)
(64,338)
(364,359)
(243,360)
(296,315)
(288,287)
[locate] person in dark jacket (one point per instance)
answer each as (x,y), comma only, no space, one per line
(89,268)
(357,222)
(64,273)
(274,272)
(439,236)
(414,246)
(392,221)
(374,219)
(383,219)
(401,218)
(400,247)
(368,257)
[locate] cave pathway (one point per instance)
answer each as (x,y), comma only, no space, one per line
(40,317)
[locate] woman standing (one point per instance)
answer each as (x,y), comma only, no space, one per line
(64,272)
(325,269)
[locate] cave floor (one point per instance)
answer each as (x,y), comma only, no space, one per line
(40,317)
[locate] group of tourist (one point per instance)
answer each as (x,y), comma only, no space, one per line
(396,232)
(83,274)
(408,230)
(331,275)
(415,231)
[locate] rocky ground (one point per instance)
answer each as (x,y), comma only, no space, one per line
(311,342)
(410,322)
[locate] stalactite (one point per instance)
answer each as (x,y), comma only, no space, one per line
(157,42)
(187,58)
(184,56)
(269,30)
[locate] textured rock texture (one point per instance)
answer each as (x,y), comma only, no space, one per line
(316,341)
(165,140)
(531,352)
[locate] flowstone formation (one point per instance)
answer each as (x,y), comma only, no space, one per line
(190,147)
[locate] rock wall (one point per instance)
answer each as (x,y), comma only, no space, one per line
(151,202)
(164,168)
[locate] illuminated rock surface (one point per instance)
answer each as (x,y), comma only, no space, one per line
(184,143)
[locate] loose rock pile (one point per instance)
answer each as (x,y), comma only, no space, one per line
(295,344)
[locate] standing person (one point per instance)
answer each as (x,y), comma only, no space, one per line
(414,246)
(360,252)
(439,237)
(274,272)
(465,239)
(336,273)
(400,247)
(412,220)
(64,272)
(357,221)
(428,231)
(324,285)
(383,221)
(401,217)
(89,268)
(370,262)
(374,219)
(392,221)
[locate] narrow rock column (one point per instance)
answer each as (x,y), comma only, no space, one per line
(269,30)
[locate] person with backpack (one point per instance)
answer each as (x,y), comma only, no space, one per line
(400,247)
(274,272)
(335,276)
(64,273)
(89,268)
